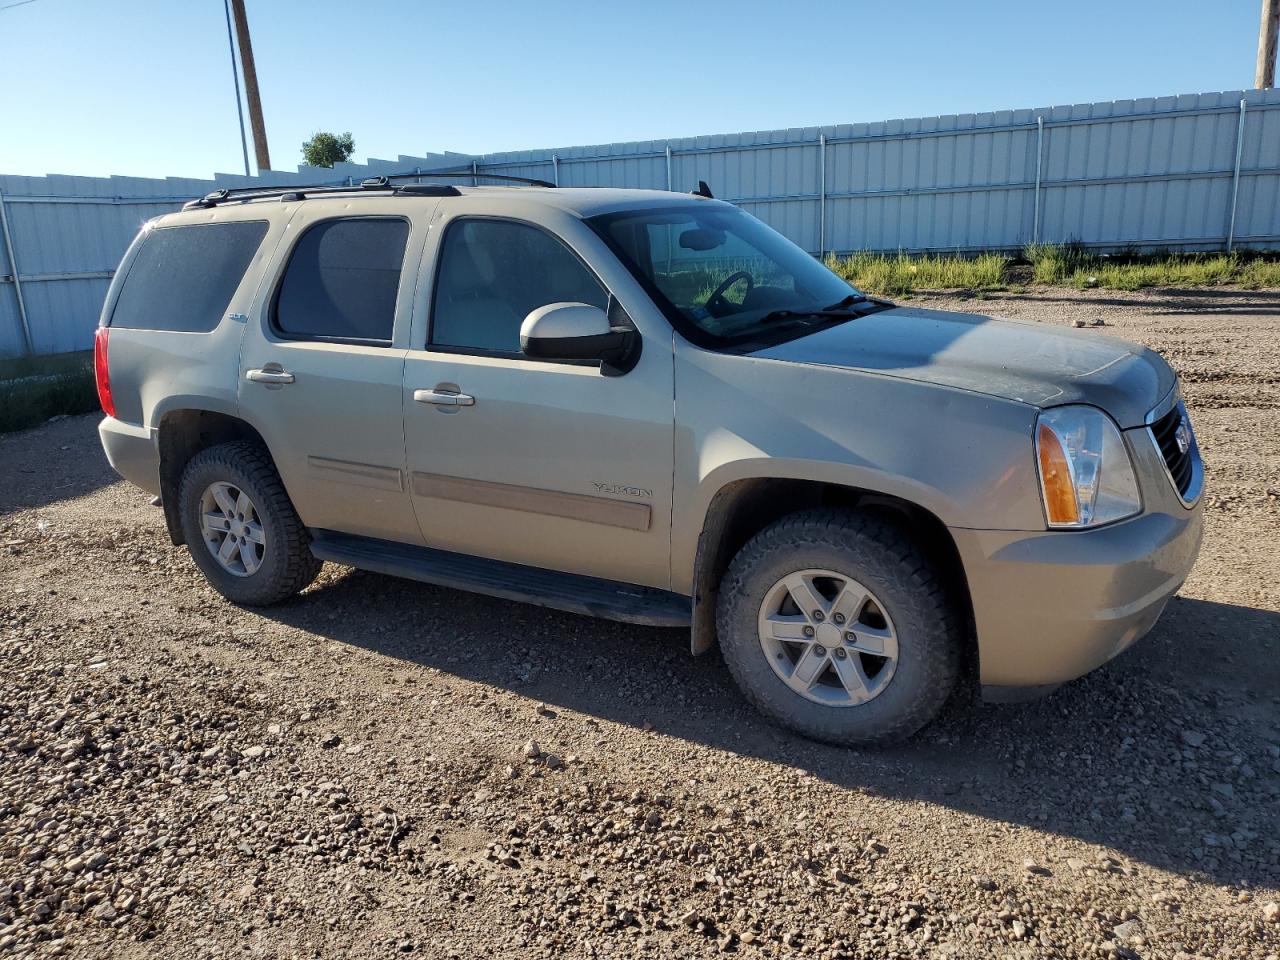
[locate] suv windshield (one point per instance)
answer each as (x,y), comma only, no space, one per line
(724,278)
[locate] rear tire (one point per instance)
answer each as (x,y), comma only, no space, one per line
(241,528)
(877,653)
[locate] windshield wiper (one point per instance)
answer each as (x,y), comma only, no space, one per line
(840,310)
(773,316)
(837,309)
(848,301)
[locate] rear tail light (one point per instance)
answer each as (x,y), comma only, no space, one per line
(101,375)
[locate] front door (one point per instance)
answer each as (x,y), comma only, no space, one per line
(321,368)
(554,465)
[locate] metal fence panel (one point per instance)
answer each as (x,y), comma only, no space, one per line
(13,338)
(1188,172)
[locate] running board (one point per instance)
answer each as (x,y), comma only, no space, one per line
(590,596)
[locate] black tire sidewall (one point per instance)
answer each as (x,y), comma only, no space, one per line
(928,652)
(264,586)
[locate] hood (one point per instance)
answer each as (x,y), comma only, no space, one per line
(1033,363)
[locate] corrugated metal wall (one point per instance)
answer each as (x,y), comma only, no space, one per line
(1187,172)
(1149,173)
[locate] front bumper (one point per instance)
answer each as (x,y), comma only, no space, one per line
(131,450)
(1051,606)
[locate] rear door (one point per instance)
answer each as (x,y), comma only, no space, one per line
(323,360)
(554,465)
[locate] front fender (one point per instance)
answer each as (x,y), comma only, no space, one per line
(966,458)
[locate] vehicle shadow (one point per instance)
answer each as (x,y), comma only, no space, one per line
(59,460)
(1100,760)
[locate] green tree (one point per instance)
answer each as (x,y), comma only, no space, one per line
(326,149)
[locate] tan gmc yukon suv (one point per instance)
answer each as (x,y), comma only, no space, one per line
(650,407)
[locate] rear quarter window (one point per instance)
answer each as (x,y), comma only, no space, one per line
(342,281)
(183,278)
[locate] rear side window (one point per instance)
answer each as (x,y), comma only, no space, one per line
(183,278)
(342,280)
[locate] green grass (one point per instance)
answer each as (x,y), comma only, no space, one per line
(33,389)
(1072,265)
(1170,271)
(1056,264)
(1062,265)
(899,274)
(1260,273)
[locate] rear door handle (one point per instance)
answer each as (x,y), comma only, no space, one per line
(269,376)
(443,398)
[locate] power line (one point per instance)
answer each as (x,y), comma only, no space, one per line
(20,3)
(235,76)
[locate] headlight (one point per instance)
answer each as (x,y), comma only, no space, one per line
(1086,475)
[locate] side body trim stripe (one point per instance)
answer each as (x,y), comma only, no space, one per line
(574,506)
(361,474)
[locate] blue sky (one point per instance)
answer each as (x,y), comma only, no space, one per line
(143,87)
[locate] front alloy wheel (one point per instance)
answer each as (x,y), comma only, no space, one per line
(828,638)
(840,625)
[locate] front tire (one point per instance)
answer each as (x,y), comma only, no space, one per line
(837,625)
(241,528)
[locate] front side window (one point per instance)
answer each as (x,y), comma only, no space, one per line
(493,273)
(722,276)
(342,280)
(183,278)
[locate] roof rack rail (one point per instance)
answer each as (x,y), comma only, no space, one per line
(455,174)
(302,191)
(382,182)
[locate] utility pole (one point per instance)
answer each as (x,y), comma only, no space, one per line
(1265,78)
(251,86)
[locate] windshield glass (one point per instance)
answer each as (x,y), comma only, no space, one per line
(724,277)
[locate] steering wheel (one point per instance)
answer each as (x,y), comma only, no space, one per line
(717,306)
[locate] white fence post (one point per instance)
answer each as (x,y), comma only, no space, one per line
(17,280)
(1035,225)
(822,196)
(1235,180)
(668,166)
(555,170)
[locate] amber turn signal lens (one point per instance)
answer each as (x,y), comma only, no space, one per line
(1055,476)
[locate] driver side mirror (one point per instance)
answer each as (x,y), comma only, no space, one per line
(579,331)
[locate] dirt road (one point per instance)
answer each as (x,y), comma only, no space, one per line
(383,768)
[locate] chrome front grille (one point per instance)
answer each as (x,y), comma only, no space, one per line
(1176,442)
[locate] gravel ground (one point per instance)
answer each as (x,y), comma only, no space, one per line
(383,768)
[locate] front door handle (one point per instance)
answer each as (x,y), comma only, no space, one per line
(269,376)
(444,398)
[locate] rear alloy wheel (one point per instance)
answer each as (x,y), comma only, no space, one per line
(240,525)
(231,529)
(837,624)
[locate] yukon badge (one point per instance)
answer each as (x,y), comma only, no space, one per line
(623,490)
